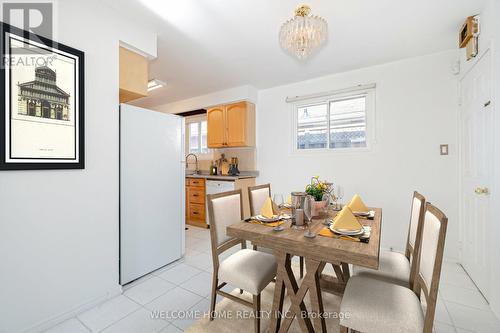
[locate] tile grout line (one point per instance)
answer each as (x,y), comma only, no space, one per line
(201,300)
(178,285)
(83,324)
(469,306)
(119,320)
(449,315)
(144,305)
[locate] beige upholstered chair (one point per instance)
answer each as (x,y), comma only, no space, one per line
(396,267)
(246,269)
(378,306)
(257,196)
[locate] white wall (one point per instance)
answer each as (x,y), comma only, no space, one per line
(416,112)
(59,229)
(247,93)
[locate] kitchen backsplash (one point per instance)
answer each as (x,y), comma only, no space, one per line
(246,157)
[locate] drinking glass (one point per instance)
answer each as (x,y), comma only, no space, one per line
(308,211)
(278,200)
(326,198)
(340,195)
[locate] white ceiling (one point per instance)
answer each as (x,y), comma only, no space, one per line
(210,45)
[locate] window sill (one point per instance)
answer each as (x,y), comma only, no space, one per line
(324,151)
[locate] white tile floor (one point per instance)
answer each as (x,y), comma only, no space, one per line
(186,285)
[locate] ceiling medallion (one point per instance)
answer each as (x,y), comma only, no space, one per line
(304,33)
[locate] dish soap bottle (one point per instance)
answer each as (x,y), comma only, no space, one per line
(213,169)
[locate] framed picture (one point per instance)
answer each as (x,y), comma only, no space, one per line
(42,96)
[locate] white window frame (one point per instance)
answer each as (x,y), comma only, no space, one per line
(328,98)
(196,119)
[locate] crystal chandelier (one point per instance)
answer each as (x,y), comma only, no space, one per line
(303,33)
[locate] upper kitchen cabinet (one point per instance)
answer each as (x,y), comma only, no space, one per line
(133,75)
(231,125)
(216,136)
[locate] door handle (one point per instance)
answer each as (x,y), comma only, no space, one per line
(481,190)
(487,104)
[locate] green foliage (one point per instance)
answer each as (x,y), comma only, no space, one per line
(317,188)
(314,191)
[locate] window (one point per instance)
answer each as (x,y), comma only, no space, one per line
(197,137)
(333,123)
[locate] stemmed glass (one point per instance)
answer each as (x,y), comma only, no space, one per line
(326,198)
(308,211)
(340,195)
(278,200)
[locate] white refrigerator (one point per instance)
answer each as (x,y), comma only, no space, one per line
(151,191)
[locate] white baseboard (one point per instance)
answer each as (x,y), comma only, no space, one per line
(57,319)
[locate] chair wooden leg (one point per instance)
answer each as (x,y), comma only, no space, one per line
(301,260)
(344,329)
(255,247)
(213,295)
(256,308)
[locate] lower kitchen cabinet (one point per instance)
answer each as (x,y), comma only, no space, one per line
(197,190)
(195,202)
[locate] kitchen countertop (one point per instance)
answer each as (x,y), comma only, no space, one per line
(242,175)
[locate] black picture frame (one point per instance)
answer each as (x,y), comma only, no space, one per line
(35,163)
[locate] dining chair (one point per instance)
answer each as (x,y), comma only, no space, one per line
(246,269)
(257,195)
(396,267)
(379,306)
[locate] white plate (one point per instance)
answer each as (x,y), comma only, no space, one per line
(365,214)
(265,219)
(348,232)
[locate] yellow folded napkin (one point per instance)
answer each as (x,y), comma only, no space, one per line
(328,233)
(357,204)
(345,220)
(267,209)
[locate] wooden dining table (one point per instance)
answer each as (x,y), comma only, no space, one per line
(317,253)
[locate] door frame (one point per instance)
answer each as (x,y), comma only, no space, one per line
(487,50)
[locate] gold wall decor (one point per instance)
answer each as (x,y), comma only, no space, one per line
(468,37)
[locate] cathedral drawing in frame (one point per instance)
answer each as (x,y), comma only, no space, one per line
(42,118)
(42,97)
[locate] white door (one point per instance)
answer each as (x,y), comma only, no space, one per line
(151,191)
(476,120)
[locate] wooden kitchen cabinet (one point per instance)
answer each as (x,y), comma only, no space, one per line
(134,75)
(195,202)
(231,125)
(216,136)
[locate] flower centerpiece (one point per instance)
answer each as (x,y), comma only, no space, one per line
(317,189)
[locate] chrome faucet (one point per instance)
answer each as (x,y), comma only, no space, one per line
(196,171)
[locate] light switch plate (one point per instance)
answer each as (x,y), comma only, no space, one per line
(443,149)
